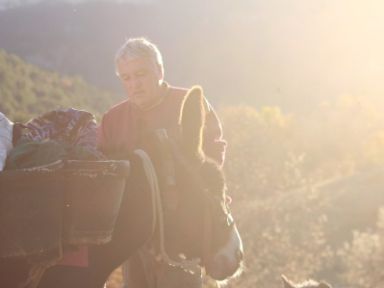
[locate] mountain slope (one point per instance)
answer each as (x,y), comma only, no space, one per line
(27,91)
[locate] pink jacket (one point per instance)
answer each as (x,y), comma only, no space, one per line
(120,125)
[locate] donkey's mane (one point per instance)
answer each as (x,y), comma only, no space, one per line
(308,284)
(192,119)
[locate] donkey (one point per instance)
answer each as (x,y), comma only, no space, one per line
(200,227)
(307,284)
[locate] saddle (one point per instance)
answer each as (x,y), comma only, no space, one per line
(65,203)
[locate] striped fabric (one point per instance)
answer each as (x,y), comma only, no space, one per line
(6,132)
(69,126)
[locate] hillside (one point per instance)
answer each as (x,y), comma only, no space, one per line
(302,185)
(306,188)
(27,91)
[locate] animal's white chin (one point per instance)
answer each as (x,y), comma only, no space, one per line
(221,268)
(228,261)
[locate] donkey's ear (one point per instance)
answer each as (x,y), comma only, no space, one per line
(286,282)
(192,120)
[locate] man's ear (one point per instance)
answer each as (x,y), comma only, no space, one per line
(286,282)
(160,74)
(192,120)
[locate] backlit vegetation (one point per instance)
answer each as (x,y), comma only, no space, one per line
(306,189)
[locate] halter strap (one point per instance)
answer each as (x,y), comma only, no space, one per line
(158,217)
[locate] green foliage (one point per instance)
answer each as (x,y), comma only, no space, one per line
(293,215)
(301,184)
(363,257)
(283,235)
(262,156)
(27,91)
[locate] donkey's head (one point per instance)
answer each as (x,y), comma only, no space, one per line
(200,223)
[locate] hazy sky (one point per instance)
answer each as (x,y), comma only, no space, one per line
(4,4)
(311,47)
(301,49)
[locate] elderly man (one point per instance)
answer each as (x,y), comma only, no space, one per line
(153,103)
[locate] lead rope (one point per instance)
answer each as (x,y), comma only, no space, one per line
(157,208)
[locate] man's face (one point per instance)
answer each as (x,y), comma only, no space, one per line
(142,80)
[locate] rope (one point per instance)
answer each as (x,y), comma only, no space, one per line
(185,264)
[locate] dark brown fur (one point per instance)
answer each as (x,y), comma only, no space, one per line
(199,181)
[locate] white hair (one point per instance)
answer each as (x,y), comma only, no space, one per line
(140,47)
